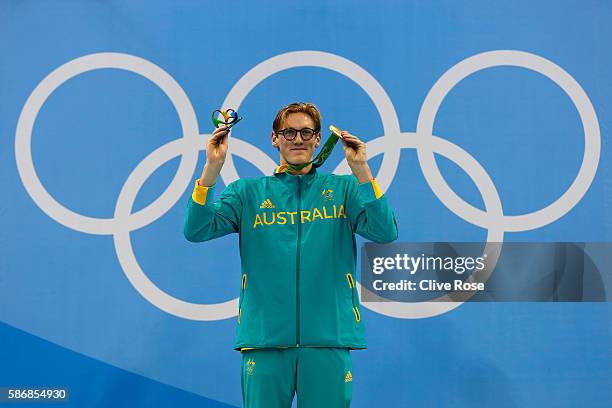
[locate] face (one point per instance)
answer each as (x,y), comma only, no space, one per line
(296,151)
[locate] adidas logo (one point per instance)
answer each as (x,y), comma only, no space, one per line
(349,377)
(267,204)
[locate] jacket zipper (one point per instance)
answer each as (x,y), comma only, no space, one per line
(242,293)
(297,266)
(351,284)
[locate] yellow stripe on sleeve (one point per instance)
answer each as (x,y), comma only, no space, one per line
(376,188)
(199,193)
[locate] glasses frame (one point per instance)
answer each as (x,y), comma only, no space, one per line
(282,132)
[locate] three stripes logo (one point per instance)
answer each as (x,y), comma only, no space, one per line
(348,377)
(267,204)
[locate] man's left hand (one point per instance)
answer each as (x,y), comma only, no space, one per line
(355,152)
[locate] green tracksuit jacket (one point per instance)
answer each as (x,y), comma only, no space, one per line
(298,253)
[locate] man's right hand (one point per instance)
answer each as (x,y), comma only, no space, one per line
(216,150)
(216,147)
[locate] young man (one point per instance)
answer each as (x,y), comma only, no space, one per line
(299,313)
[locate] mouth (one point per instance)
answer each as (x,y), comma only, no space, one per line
(299,149)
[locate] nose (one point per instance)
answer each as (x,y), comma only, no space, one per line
(296,141)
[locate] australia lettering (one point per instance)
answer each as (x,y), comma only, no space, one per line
(291,217)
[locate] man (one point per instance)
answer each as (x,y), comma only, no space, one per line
(299,314)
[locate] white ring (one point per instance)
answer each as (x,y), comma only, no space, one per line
(335,63)
(23,140)
(495,234)
(123,244)
(463,209)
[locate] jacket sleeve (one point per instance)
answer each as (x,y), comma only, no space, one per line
(207,219)
(369,212)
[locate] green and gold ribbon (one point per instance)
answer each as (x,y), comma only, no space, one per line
(325,152)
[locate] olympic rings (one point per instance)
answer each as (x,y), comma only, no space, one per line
(390,145)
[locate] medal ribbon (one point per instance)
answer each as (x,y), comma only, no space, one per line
(325,152)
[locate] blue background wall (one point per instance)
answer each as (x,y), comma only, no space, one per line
(71,317)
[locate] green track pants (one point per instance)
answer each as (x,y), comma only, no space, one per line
(321,377)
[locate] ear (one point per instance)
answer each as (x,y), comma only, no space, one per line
(318,140)
(275,141)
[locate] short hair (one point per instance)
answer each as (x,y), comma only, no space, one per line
(296,107)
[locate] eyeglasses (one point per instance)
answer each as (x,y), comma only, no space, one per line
(291,133)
